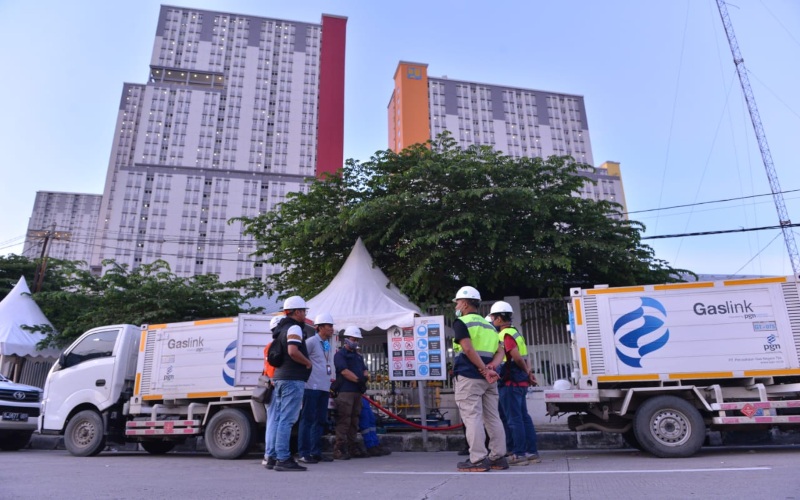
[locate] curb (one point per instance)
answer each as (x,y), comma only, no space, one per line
(412,441)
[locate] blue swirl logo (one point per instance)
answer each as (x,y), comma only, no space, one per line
(229,368)
(640,332)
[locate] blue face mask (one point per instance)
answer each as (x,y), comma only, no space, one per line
(351,344)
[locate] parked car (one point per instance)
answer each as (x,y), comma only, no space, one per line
(20,405)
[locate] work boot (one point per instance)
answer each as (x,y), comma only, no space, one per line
(269,462)
(289,465)
(468,466)
(322,458)
(499,463)
(340,455)
(357,452)
(533,458)
(384,450)
(374,451)
(517,460)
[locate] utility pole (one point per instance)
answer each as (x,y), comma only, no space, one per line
(761,137)
(47,235)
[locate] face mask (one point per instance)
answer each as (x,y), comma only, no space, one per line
(351,344)
(458,313)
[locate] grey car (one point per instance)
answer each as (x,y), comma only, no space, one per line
(20,405)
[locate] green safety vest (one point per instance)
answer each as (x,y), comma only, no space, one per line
(518,338)
(482,335)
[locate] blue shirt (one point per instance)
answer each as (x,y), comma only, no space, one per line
(346,359)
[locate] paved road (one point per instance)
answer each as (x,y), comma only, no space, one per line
(751,473)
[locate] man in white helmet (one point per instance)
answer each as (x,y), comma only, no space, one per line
(351,378)
(515,378)
(478,353)
(314,416)
(289,378)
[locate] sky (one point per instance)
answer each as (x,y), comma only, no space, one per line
(659,83)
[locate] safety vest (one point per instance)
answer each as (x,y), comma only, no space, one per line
(482,335)
(518,338)
(512,372)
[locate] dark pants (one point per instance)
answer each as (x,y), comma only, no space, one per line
(520,424)
(348,409)
(313,420)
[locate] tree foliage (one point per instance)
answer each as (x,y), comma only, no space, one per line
(436,217)
(150,293)
(13,267)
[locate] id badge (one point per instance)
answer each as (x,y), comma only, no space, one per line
(328,367)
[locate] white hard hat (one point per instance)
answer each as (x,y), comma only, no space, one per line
(294,302)
(501,307)
(488,318)
(274,322)
(467,292)
(323,319)
(353,331)
(562,385)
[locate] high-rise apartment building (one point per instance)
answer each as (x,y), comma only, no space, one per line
(227,124)
(65,222)
(519,122)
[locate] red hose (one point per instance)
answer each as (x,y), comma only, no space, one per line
(408,422)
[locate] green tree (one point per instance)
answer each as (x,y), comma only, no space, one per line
(150,293)
(13,267)
(436,217)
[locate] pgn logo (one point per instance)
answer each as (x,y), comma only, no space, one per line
(229,368)
(169,376)
(772,345)
(640,332)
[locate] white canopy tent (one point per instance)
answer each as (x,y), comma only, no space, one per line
(361,295)
(18,346)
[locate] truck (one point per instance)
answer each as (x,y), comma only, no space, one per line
(159,385)
(664,364)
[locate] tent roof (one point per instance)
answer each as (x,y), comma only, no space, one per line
(361,295)
(16,309)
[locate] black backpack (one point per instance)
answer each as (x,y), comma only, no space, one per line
(276,354)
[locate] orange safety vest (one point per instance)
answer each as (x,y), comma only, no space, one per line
(269,370)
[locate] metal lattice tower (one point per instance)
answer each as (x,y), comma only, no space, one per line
(766,156)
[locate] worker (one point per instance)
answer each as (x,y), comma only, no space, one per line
(515,378)
(478,353)
(351,383)
(314,415)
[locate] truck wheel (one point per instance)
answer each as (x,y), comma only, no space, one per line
(157,447)
(14,441)
(669,427)
(229,434)
(85,434)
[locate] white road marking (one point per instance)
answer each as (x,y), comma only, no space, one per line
(541,473)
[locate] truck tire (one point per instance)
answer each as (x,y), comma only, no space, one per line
(13,441)
(85,434)
(229,434)
(157,447)
(669,427)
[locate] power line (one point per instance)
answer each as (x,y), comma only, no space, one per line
(706,233)
(709,202)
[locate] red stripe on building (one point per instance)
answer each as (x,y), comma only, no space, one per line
(330,109)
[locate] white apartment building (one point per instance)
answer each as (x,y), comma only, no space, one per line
(66,222)
(226,126)
(519,122)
